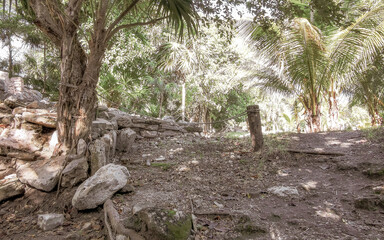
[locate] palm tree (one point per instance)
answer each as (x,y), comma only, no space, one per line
(301,64)
(181,59)
(353,56)
(296,56)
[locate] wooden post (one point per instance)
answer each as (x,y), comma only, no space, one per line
(255,127)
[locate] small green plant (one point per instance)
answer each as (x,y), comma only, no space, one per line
(236,135)
(373,134)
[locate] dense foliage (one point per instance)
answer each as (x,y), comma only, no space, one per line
(325,57)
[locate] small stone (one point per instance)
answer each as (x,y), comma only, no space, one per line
(50,221)
(183,168)
(161,158)
(121,237)
(311,185)
(87,226)
(283,191)
(218,204)
(379,190)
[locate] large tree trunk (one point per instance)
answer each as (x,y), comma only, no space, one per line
(79,77)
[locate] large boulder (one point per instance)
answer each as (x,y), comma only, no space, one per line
(10,187)
(75,172)
(43,174)
(125,139)
(100,187)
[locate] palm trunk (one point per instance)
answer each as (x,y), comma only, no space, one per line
(333,111)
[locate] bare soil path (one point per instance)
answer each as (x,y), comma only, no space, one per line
(237,194)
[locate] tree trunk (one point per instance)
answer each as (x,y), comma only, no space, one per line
(314,120)
(79,76)
(333,111)
(10,56)
(183,101)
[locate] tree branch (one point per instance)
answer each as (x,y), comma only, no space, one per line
(120,17)
(131,25)
(46,22)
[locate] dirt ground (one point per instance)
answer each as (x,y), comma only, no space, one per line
(235,193)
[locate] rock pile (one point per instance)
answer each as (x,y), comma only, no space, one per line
(28,138)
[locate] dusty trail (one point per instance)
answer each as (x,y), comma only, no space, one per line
(237,194)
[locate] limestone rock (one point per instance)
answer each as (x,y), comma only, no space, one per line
(100,187)
(21,110)
(166,223)
(149,134)
(169,133)
(11,187)
(46,120)
(50,221)
(42,174)
(125,139)
(81,147)
(123,121)
(102,151)
(31,127)
(22,156)
(98,157)
(13,102)
(75,172)
(4,108)
(101,126)
(21,139)
(283,191)
(110,139)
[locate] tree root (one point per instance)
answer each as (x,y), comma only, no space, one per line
(111,213)
(315,152)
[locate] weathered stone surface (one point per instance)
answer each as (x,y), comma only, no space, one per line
(149,134)
(31,127)
(75,172)
(102,108)
(20,139)
(101,126)
(123,121)
(191,127)
(4,108)
(98,156)
(125,139)
(110,139)
(166,223)
(82,147)
(42,174)
(50,221)
(11,187)
(170,127)
(13,102)
(21,110)
(170,133)
(102,151)
(100,187)
(283,191)
(46,120)
(22,156)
